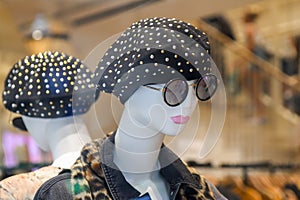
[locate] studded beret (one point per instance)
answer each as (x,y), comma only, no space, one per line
(153,51)
(42,85)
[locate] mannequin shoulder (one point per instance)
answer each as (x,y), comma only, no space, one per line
(47,172)
(58,187)
(13,187)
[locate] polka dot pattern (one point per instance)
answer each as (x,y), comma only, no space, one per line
(42,85)
(153,50)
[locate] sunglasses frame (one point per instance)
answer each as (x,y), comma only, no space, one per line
(195,85)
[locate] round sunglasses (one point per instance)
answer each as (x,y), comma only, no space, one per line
(176,90)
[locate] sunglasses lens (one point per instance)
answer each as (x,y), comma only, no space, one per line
(206,87)
(175,92)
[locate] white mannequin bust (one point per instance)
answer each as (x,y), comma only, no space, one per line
(61,136)
(145,121)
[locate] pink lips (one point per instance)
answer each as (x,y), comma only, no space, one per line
(179,119)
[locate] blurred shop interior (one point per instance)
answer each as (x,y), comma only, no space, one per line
(259,146)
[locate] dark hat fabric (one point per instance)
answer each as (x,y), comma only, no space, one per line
(19,123)
(42,85)
(153,51)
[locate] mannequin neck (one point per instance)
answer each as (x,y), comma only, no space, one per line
(66,138)
(137,157)
(137,147)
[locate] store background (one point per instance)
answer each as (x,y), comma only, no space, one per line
(277,141)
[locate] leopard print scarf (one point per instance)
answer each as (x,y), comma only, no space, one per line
(88,181)
(87,177)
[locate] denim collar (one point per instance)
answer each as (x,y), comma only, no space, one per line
(175,173)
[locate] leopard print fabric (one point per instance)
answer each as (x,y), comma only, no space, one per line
(187,192)
(88,181)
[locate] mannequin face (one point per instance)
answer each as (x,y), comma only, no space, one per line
(148,109)
(37,129)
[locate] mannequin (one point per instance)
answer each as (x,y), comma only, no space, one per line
(159,80)
(137,155)
(47,114)
(59,136)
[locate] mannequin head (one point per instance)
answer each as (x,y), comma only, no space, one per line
(147,108)
(41,89)
(44,130)
(37,127)
(154,52)
(59,135)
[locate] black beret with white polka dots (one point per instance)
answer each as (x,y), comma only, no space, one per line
(42,85)
(153,51)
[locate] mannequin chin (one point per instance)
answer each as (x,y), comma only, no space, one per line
(147,109)
(61,136)
(37,129)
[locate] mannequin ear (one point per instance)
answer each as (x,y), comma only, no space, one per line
(19,123)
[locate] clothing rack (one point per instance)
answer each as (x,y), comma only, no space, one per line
(266,166)
(245,167)
(252,185)
(262,165)
(193,163)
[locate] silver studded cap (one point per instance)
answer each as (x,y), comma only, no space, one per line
(153,51)
(42,85)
